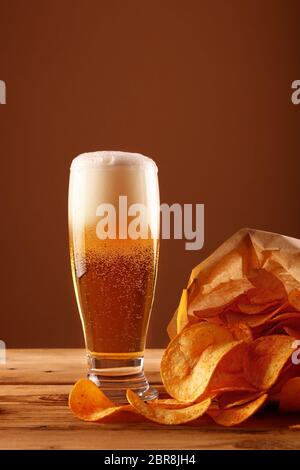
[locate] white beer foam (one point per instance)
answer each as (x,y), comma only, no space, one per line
(112,158)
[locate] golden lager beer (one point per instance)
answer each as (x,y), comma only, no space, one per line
(114,233)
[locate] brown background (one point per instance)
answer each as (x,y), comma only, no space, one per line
(204,87)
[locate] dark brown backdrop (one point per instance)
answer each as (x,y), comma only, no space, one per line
(201,86)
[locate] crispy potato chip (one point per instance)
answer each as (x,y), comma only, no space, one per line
(208,313)
(162,415)
(290,395)
(229,374)
(196,382)
(234,416)
(292,331)
(265,360)
(228,268)
(274,326)
(86,394)
(277,329)
(289,371)
(255,308)
(294,299)
(253,320)
(236,398)
(275,265)
(267,287)
(214,302)
(241,331)
(191,358)
(170,403)
(284,316)
(228,382)
(242,243)
(260,296)
(290,326)
(100,414)
(89,403)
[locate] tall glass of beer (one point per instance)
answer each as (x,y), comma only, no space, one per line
(114,243)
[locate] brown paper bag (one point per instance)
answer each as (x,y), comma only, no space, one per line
(232,270)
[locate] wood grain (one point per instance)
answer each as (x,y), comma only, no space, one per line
(34,386)
(58,366)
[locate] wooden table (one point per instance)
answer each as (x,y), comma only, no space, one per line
(34,386)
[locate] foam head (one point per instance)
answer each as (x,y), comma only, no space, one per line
(112,159)
(102,177)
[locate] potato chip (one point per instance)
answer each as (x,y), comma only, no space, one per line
(228,268)
(281,317)
(229,374)
(290,326)
(267,287)
(253,320)
(292,331)
(208,305)
(207,313)
(255,308)
(275,325)
(289,371)
(276,265)
(276,329)
(89,403)
(290,395)
(162,415)
(191,358)
(98,415)
(266,358)
(241,331)
(236,398)
(228,382)
(294,299)
(236,415)
(170,403)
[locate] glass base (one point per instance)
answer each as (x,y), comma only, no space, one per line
(115,376)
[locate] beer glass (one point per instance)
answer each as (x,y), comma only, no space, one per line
(114,243)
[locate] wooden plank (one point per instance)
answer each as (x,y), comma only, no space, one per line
(59,433)
(59,366)
(37,417)
(34,414)
(149,437)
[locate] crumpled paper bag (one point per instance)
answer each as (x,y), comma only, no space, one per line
(228,273)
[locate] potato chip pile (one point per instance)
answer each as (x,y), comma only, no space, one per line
(235,330)
(233,339)
(89,403)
